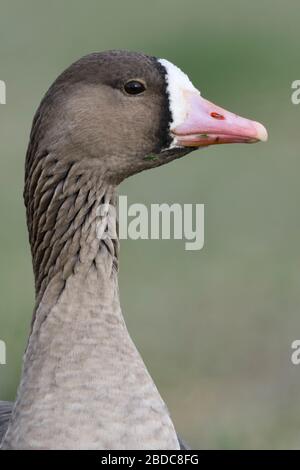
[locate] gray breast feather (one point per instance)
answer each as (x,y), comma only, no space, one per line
(5,413)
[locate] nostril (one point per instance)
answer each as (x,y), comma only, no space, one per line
(217,116)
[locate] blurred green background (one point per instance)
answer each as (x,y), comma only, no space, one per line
(215,326)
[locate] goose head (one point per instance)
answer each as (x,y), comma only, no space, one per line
(126,112)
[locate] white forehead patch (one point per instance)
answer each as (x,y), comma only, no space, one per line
(177,82)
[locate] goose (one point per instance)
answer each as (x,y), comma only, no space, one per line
(84,385)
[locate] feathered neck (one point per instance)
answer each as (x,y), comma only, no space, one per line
(84,384)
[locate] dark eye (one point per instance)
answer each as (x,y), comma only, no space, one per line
(134,87)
